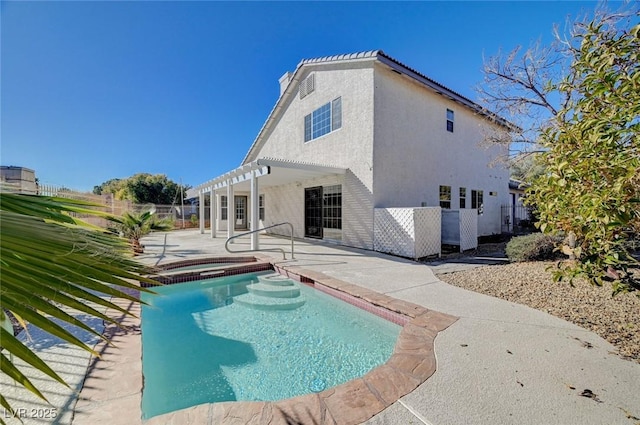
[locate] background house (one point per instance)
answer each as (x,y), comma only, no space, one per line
(18,179)
(517,217)
(354,133)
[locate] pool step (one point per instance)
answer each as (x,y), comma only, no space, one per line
(272,292)
(260,302)
(276,280)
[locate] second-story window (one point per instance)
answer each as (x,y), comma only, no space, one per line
(450,120)
(323,120)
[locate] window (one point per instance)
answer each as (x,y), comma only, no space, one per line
(463,197)
(223,207)
(477,200)
(445,197)
(323,120)
(332,207)
(261,207)
(450,120)
(240,213)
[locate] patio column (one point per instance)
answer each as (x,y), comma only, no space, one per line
(212,213)
(231,210)
(254,211)
(201,215)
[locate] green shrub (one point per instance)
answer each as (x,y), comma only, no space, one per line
(533,247)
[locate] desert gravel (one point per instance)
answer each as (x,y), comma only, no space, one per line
(616,319)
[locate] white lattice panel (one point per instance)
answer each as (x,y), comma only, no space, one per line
(427,231)
(393,231)
(468,229)
(407,232)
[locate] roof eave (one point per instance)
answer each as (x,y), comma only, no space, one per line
(444,91)
(394,64)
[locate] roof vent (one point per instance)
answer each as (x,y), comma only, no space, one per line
(307,86)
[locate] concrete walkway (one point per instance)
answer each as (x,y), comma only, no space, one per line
(501,363)
(69,361)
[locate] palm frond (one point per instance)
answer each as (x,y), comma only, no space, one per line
(50,266)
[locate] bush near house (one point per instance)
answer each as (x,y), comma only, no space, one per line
(533,247)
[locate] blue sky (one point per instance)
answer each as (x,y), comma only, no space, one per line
(99,90)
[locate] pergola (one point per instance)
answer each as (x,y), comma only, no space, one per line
(262,172)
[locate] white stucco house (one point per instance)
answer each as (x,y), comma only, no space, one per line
(353,133)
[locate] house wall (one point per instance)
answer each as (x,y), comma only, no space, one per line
(414,153)
(394,144)
(348,147)
(285,203)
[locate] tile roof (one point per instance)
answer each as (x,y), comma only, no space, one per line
(346,56)
(380,54)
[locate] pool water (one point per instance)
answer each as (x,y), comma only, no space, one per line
(201,344)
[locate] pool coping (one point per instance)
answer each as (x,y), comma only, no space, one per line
(167,275)
(411,364)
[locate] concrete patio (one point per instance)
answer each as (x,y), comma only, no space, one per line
(500,363)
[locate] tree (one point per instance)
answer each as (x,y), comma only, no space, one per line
(588,89)
(526,167)
(144,188)
(110,186)
(51,264)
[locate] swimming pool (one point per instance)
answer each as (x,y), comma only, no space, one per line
(205,341)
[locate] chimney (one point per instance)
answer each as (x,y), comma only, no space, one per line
(284,81)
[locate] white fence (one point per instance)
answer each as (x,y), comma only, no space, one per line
(407,232)
(460,228)
(517,219)
(182,217)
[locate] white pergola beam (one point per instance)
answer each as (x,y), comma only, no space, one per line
(201,215)
(231,211)
(212,213)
